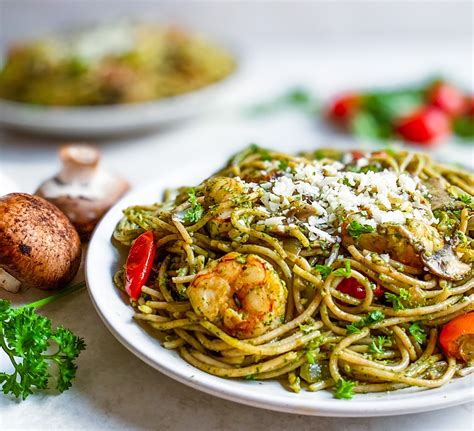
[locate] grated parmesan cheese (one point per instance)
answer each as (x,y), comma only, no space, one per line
(334,194)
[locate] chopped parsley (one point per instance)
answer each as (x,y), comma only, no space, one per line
(418,332)
(465,199)
(344,389)
(356,229)
(397,300)
(375,316)
(324,270)
(344,272)
(376,346)
(193,214)
(310,358)
(283,165)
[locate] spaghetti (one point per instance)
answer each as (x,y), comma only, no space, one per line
(327,270)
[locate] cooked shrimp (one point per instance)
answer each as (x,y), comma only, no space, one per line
(220,189)
(241,293)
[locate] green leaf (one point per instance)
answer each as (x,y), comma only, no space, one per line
(356,229)
(373,317)
(464,127)
(196,211)
(376,345)
(344,272)
(397,300)
(283,165)
(418,332)
(25,337)
(324,270)
(344,389)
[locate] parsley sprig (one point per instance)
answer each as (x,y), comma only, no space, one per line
(344,272)
(373,317)
(377,344)
(398,301)
(344,389)
(418,332)
(193,214)
(28,338)
(356,229)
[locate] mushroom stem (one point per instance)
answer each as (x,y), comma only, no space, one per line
(8,282)
(79,163)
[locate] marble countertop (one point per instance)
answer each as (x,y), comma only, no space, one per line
(113,388)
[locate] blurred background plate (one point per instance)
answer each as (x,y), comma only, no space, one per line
(111,119)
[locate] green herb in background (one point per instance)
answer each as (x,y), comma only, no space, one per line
(296,98)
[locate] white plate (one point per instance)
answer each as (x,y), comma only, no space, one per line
(103,260)
(110,119)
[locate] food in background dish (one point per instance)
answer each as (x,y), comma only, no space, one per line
(39,246)
(422,115)
(328,270)
(82,190)
(111,64)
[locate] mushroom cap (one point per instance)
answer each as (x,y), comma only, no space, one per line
(85,213)
(82,190)
(38,244)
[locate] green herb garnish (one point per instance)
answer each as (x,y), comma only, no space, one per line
(396,301)
(418,332)
(376,346)
(344,389)
(356,229)
(373,317)
(193,214)
(344,272)
(324,270)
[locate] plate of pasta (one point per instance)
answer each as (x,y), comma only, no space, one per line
(328,283)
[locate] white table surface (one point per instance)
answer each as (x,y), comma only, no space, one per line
(114,389)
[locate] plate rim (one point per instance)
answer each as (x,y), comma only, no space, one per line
(419,401)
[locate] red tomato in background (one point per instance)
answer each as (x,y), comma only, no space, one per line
(343,108)
(447,98)
(424,126)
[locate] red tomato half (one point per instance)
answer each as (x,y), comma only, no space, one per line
(139,263)
(424,126)
(457,337)
(352,287)
(447,98)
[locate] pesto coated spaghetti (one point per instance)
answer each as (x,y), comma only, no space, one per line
(327,270)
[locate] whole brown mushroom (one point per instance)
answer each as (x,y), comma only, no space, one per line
(82,190)
(39,246)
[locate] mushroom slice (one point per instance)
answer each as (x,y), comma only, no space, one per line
(39,246)
(446,264)
(416,244)
(438,256)
(82,190)
(440,197)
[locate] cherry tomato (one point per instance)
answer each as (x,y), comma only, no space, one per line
(139,263)
(352,287)
(424,126)
(457,337)
(469,103)
(447,98)
(356,155)
(344,107)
